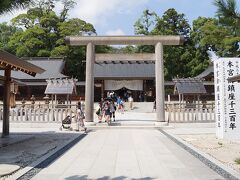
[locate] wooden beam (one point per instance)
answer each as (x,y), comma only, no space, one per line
(146,62)
(6,102)
(9,60)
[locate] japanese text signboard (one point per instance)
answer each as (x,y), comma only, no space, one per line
(227,98)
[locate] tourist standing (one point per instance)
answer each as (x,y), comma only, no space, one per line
(130,100)
(154,106)
(112,110)
(107,112)
(80,116)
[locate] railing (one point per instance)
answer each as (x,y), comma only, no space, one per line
(41,113)
(183,112)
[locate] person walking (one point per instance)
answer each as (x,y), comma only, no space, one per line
(99,112)
(120,104)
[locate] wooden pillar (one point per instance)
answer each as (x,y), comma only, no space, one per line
(198,101)
(52,100)
(6,102)
(55,97)
(144,90)
(29,92)
(102,89)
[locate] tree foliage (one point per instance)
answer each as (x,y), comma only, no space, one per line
(43,32)
(227,12)
(6,32)
(171,23)
(217,34)
(229,19)
(9,5)
(145,23)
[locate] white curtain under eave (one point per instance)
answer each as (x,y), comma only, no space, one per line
(113,85)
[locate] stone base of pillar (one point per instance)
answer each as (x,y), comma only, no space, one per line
(161,124)
(90,123)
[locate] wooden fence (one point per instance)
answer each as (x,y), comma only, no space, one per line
(41,113)
(177,112)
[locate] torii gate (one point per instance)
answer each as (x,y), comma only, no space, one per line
(91,41)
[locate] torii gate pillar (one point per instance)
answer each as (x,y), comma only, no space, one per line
(159,78)
(89,88)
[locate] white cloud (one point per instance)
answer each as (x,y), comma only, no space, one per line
(116,32)
(98,11)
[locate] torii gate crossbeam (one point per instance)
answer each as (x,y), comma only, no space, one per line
(157,41)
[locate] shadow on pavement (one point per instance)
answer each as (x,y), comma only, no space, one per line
(22,149)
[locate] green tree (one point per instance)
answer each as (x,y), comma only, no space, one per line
(145,24)
(6,31)
(229,18)
(171,23)
(9,5)
(176,57)
(44,32)
(227,12)
(209,34)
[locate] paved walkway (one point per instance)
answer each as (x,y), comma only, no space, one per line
(127,154)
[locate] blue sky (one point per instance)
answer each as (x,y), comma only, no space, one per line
(117,17)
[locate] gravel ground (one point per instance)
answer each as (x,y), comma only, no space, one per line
(223,150)
(25,152)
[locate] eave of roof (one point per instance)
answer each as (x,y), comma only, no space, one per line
(207,72)
(8,60)
(124,71)
(189,86)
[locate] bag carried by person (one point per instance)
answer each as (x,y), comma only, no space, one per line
(98,111)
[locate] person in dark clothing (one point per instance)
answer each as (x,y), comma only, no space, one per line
(154,105)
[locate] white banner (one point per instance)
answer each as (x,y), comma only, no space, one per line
(227,98)
(118,84)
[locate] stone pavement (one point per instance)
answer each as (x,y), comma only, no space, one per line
(202,136)
(124,153)
(127,154)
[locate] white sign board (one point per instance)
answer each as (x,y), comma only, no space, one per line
(227,98)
